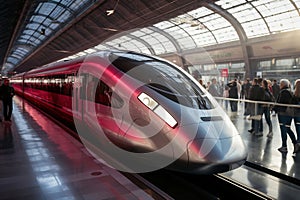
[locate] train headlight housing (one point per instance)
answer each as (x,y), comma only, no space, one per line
(157,109)
(147,101)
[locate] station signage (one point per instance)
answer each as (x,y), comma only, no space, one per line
(224,72)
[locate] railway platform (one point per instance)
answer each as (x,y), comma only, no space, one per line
(263,150)
(267,169)
(39,160)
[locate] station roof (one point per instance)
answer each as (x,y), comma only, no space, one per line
(39,32)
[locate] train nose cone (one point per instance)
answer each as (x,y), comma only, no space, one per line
(216,155)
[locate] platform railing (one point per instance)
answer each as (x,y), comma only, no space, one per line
(256,103)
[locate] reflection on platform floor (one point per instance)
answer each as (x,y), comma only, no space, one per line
(263,151)
(39,160)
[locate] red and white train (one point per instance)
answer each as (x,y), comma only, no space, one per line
(140,111)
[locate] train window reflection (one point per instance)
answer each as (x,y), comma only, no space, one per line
(165,79)
(99,92)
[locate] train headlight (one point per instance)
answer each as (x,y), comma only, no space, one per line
(157,109)
(147,101)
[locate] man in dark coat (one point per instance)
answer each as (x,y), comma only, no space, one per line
(256,93)
(6,93)
(233,93)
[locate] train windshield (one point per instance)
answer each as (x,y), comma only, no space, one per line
(163,78)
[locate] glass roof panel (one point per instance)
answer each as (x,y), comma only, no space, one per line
(81,54)
(37,18)
(100,47)
(28,32)
(134,45)
(244,13)
(297,2)
(186,43)
(255,28)
(12,60)
(160,37)
(75,4)
(146,30)
(49,15)
(164,25)
(145,51)
(226,34)
(24,37)
(177,32)
(273,7)
(200,12)
(57,11)
(284,21)
(33,26)
(63,17)
(229,3)
(22,50)
(204,39)
(196,30)
(169,46)
(45,8)
(88,51)
(53,26)
(150,39)
(138,33)
(214,22)
(19,54)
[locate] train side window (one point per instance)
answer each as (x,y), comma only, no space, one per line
(101,93)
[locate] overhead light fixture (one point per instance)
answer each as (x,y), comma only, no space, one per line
(43,31)
(110,29)
(62,51)
(111,11)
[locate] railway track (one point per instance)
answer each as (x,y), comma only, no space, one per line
(185,186)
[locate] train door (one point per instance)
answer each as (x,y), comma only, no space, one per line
(103,107)
(79,93)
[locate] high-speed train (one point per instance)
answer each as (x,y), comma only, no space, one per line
(142,112)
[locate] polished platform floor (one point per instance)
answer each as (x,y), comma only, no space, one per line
(263,152)
(38,161)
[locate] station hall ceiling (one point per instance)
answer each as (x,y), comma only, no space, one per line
(38,32)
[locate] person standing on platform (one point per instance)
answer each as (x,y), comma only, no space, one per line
(268,97)
(296,100)
(256,93)
(233,93)
(1,106)
(284,118)
(7,92)
(245,91)
(275,91)
(214,88)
